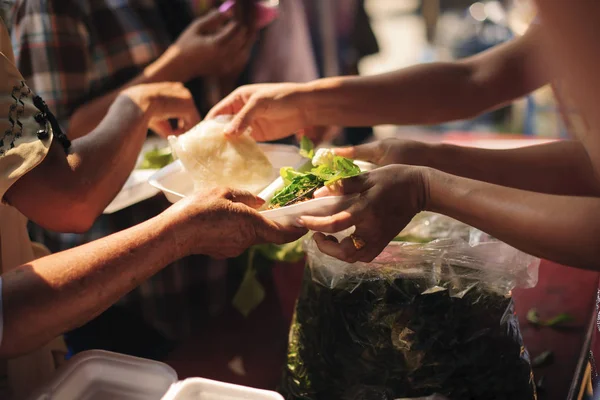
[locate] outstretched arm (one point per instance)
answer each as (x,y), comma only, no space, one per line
(78,187)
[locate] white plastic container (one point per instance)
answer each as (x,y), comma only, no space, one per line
(176,183)
(204,389)
(320,207)
(102,375)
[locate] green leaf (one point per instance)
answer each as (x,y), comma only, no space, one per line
(156,159)
(544,359)
(534,318)
(307,148)
(558,320)
(290,252)
(250,293)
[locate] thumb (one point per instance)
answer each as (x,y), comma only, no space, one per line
(355,184)
(365,152)
(247,198)
(270,232)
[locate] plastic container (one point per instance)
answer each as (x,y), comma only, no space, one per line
(204,389)
(320,207)
(102,375)
(176,183)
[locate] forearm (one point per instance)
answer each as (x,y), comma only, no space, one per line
(54,294)
(424,94)
(78,187)
(562,168)
(559,228)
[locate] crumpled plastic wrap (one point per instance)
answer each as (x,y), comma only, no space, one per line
(421,319)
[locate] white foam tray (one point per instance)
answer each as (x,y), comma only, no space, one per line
(176,183)
(102,375)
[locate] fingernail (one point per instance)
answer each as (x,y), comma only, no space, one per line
(300,222)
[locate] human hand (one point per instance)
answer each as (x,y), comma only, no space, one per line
(222,223)
(213,45)
(271,111)
(387,151)
(163,101)
(389,198)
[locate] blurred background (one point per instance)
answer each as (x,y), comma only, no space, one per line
(412,31)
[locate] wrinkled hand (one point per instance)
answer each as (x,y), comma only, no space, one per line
(164,101)
(271,111)
(387,151)
(214,44)
(222,223)
(389,198)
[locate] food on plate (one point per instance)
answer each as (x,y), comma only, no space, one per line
(214,160)
(156,158)
(325,168)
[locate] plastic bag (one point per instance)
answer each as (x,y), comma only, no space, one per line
(213,160)
(418,320)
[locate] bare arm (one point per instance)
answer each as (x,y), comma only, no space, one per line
(562,167)
(571,31)
(559,228)
(423,94)
(48,296)
(430,93)
(79,186)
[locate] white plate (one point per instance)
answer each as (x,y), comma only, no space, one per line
(176,183)
(135,190)
(320,207)
(204,389)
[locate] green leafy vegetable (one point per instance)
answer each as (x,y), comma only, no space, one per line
(534,318)
(384,338)
(301,185)
(156,159)
(307,148)
(289,252)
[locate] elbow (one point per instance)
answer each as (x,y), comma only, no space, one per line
(70,215)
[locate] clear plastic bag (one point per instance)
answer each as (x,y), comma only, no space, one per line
(422,318)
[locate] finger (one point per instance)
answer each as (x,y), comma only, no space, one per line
(244,118)
(230,105)
(162,128)
(355,184)
(209,22)
(240,196)
(366,152)
(228,32)
(271,232)
(331,224)
(343,250)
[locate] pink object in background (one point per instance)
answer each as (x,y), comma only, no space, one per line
(266,11)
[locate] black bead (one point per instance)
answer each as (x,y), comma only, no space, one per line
(42,134)
(40,118)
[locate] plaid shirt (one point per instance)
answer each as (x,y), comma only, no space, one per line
(71,51)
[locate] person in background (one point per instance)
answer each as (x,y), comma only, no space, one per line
(478,187)
(81,54)
(63,185)
(341,36)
